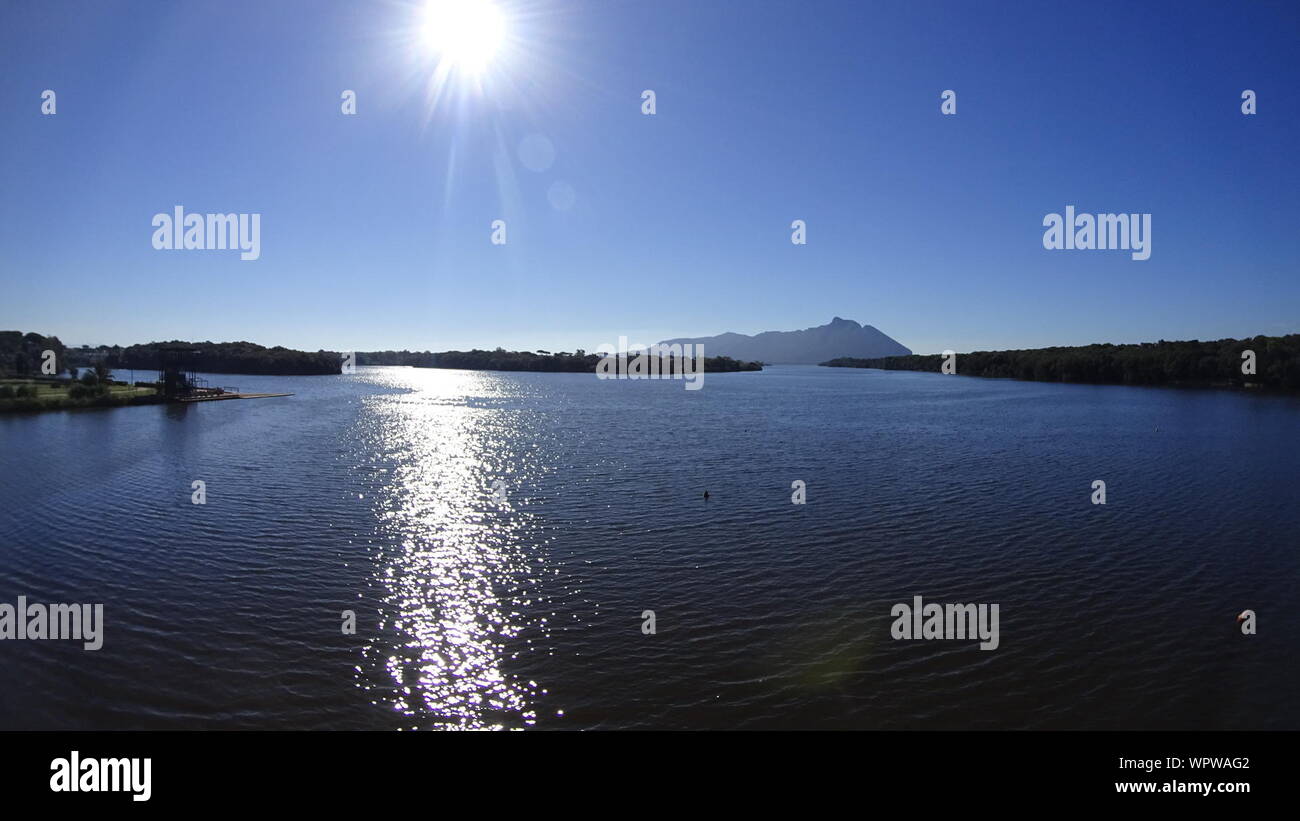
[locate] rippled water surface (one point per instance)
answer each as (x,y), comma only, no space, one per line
(498,537)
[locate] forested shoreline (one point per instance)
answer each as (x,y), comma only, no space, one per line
(1220,363)
(20,355)
(230,357)
(1261,361)
(562,362)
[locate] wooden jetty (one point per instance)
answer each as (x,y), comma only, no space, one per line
(178,381)
(216,397)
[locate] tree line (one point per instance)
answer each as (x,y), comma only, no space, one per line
(250,358)
(23,354)
(560,362)
(1221,363)
(230,357)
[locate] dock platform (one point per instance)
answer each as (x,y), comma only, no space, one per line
(220,396)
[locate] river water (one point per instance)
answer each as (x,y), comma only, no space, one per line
(499,537)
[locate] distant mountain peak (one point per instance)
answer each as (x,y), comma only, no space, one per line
(840,337)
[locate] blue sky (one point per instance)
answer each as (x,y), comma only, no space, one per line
(375,228)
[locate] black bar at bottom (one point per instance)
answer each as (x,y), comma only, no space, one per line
(379,771)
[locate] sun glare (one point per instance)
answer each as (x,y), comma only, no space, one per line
(465,34)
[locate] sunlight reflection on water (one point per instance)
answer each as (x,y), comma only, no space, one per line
(454,574)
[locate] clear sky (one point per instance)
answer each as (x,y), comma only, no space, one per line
(375,228)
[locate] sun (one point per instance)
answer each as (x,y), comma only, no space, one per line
(465,34)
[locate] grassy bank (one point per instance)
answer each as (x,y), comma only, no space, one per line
(41,394)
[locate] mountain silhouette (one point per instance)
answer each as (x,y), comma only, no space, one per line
(811,346)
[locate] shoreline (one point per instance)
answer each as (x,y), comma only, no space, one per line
(1268,363)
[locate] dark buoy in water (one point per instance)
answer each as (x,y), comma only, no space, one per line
(706,496)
